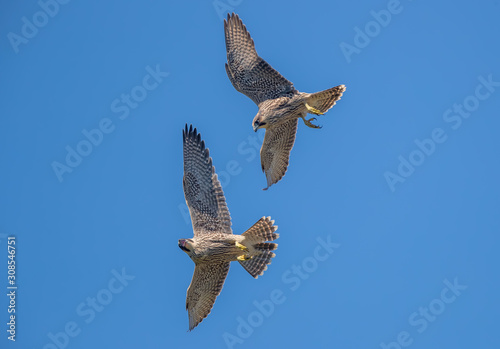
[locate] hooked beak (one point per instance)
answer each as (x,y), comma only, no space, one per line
(182,245)
(257,126)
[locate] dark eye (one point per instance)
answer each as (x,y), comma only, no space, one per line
(256,122)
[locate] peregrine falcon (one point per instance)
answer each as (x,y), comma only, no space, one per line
(280,104)
(214,245)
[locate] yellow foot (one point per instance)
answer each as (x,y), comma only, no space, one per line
(241,247)
(309,123)
(313,110)
(243,257)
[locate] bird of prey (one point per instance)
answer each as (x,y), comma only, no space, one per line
(214,245)
(280,104)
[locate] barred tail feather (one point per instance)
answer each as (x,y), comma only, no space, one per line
(326,99)
(257,265)
(255,239)
(265,246)
(262,231)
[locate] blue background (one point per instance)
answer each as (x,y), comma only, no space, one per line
(123,205)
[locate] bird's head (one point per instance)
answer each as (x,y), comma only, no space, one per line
(271,111)
(186,245)
(259,122)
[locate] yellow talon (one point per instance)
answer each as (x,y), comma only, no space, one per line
(241,247)
(313,110)
(309,123)
(243,257)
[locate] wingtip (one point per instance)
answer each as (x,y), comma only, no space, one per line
(197,135)
(233,20)
(230,16)
(268,183)
(191,132)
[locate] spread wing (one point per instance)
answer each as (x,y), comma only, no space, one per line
(249,73)
(202,190)
(205,286)
(275,151)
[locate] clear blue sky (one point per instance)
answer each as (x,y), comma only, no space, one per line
(400,184)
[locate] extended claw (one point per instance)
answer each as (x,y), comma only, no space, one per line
(309,123)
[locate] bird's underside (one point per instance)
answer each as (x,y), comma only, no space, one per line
(280,104)
(214,245)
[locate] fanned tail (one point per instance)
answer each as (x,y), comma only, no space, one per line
(255,240)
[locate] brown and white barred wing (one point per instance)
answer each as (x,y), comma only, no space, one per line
(247,71)
(275,151)
(202,190)
(207,282)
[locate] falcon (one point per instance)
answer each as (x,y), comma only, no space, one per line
(214,246)
(280,104)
